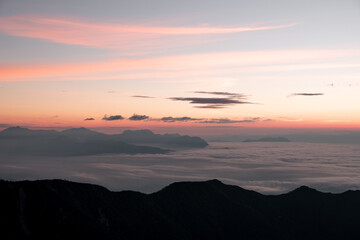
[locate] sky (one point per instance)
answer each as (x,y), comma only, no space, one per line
(180,64)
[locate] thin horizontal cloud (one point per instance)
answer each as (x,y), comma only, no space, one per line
(223,94)
(337,121)
(226,120)
(179,119)
(196,100)
(202,64)
(306,94)
(113,117)
(141,96)
(210,102)
(136,117)
(212,106)
(287,119)
(89,119)
(111,35)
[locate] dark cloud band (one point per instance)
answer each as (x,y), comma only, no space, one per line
(112,117)
(210,102)
(307,94)
(226,120)
(136,117)
(141,96)
(179,119)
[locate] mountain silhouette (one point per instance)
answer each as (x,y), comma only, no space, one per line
(50,209)
(23,132)
(82,141)
(169,140)
(80,132)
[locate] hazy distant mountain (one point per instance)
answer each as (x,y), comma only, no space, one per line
(170,140)
(80,132)
(55,209)
(82,141)
(309,136)
(23,132)
(268,139)
(72,142)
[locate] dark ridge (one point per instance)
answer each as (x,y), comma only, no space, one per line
(58,209)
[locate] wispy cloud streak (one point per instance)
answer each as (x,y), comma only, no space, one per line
(170,66)
(111,35)
(306,94)
(141,96)
(228,94)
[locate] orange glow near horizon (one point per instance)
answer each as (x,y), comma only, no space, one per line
(51,122)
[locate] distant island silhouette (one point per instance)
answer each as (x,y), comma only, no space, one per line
(58,209)
(82,141)
(268,139)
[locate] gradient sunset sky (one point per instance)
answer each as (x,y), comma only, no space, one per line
(180,64)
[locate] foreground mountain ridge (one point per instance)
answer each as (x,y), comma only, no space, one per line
(49,209)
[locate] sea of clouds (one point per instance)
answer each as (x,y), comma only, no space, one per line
(269,168)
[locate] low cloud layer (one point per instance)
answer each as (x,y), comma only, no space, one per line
(136,117)
(276,168)
(112,117)
(89,119)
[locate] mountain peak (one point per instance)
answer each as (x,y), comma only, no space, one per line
(304,190)
(79,131)
(21,131)
(215,181)
(16,129)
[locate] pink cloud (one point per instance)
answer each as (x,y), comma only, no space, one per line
(179,65)
(115,36)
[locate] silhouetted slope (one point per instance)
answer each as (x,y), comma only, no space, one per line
(59,209)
